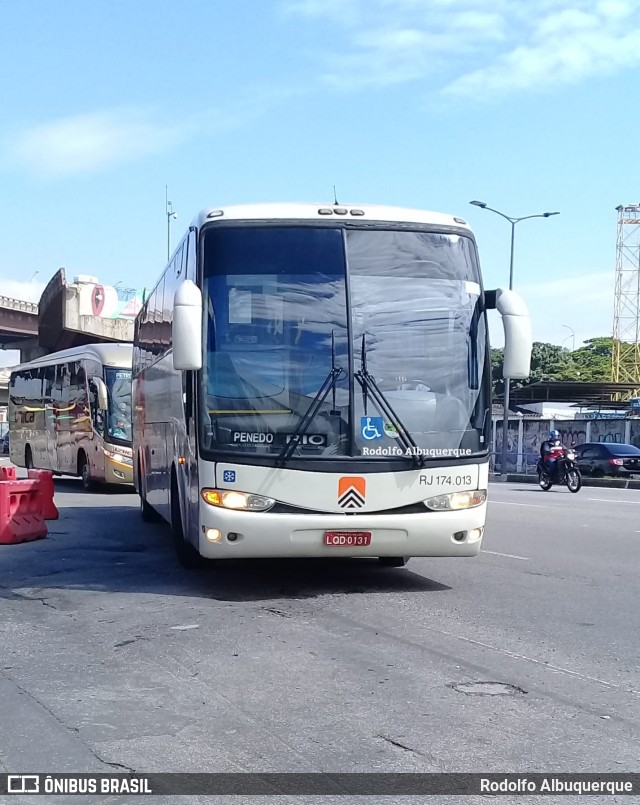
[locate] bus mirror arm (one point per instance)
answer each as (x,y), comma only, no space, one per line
(186,330)
(103,399)
(517,334)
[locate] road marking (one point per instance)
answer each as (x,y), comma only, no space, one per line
(511,503)
(547,665)
(611,500)
(508,555)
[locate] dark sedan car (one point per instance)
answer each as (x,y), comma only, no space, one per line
(600,458)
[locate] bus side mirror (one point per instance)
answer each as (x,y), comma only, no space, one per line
(517,334)
(101,389)
(187,327)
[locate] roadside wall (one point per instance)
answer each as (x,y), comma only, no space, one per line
(526,436)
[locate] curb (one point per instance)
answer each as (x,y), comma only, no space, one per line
(605,483)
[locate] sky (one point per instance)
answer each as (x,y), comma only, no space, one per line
(527,105)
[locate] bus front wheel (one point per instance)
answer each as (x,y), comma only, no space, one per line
(147,512)
(186,553)
(88,484)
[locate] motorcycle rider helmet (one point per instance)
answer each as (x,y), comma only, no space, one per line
(554,435)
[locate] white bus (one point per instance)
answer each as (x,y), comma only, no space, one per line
(70,412)
(314,381)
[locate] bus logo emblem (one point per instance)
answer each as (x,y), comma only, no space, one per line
(351,492)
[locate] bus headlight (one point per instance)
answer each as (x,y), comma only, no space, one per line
(456,500)
(240,501)
(118,457)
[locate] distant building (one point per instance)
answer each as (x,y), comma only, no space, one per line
(551,410)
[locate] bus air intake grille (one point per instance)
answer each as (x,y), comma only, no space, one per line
(285,508)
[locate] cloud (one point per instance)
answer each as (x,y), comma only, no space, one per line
(90,142)
(95,141)
(474,48)
(341,11)
(562,48)
(29,291)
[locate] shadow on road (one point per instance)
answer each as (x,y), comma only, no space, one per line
(108,548)
(554,489)
(68,483)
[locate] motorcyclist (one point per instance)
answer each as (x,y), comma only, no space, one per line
(551,451)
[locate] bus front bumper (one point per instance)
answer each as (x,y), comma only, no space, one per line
(116,472)
(228,534)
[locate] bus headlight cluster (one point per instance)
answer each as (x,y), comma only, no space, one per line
(118,457)
(240,501)
(456,500)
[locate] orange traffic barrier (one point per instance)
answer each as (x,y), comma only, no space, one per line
(45,478)
(7,473)
(21,516)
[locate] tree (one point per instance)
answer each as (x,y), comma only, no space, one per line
(589,363)
(593,360)
(548,362)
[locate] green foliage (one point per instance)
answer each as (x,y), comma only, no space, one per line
(589,363)
(593,360)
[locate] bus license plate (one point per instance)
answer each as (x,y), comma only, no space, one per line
(347,539)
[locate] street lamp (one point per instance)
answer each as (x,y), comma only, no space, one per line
(513,222)
(572,337)
(170,214)
(35,274)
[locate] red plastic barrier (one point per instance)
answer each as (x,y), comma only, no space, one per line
(49,510)
(7,473)
(21,516)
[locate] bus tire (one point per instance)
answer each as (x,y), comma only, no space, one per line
(186,553)
(393,561)
(28,458)
(147,512)
(88,484)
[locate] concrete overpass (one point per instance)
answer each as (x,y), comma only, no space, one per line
(18,322)
(69,314)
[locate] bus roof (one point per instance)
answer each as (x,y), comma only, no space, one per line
(115,354)
(329,212)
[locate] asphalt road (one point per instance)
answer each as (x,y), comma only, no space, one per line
(115,658)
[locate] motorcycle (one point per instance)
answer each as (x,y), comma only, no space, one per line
(566,471)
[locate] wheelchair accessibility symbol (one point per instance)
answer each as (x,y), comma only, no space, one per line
(372,427)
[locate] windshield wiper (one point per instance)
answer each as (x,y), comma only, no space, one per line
(369,386)
(329,384)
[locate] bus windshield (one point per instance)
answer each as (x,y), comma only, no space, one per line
(118,382)
(292,307)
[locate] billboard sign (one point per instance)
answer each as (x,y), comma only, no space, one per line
(107,302)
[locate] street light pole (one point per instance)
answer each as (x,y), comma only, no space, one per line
(507,383)
(170,214)
(572,337)
(35,274)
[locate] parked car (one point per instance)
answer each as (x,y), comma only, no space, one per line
(608,458)
(5,443)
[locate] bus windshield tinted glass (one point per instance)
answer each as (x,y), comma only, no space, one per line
(118,383)
(277,329)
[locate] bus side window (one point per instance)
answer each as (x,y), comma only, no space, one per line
(97,417)
(78,409)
